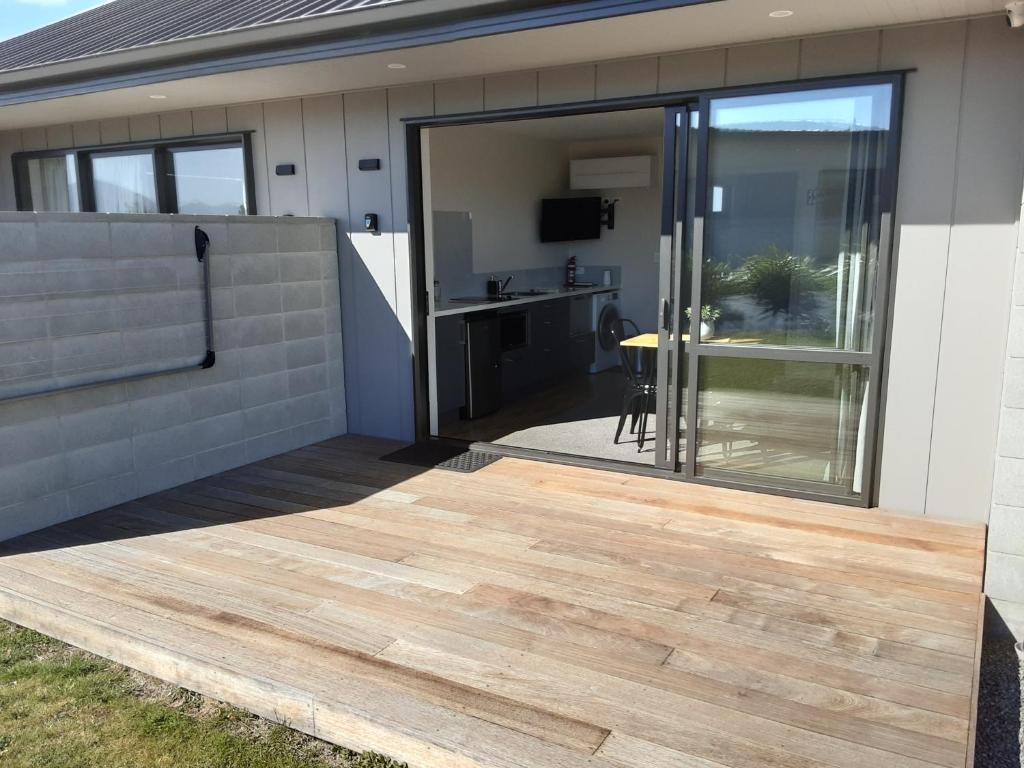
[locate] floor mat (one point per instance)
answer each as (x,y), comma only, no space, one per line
(442,455)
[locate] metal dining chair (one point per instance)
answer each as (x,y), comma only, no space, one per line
(640,387)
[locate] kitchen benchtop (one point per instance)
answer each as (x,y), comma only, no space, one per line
(460,308)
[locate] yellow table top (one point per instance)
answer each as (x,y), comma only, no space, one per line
(650,340)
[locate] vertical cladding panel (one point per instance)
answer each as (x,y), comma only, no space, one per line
(33,139)
(840,54)
(518,89)
(60,137)
(979,273)
(249,117)
(115,130)
(10,142)
(631,77)
(174,125)
(924,215)
(210,120)
(324,136)
(144,127)
(417,100)
(691,71)
(86,134)
(372,344)
(763,62)
(567,84)
(453,97)
(285,146)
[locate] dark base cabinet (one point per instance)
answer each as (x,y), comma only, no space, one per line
(553,351)
(483,366)
(483,363)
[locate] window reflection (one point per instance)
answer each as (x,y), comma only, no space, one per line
(210,180)
(784,419)
(794,215)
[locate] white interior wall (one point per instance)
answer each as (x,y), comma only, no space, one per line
(500,178)
(959,187)
(634,243)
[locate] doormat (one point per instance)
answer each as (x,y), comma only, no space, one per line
(434,454)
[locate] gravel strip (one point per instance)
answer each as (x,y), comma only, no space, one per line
(1000,742)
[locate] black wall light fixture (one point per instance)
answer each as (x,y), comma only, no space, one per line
(285,169)
(369,164)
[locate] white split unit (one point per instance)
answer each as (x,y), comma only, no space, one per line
(610,172)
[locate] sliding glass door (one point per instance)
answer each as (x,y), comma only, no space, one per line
(776,244)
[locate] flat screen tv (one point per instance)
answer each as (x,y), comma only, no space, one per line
(570,218)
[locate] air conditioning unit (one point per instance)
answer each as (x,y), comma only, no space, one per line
(610,172)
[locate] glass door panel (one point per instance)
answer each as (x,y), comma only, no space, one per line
(791,265)
(793,216)
(781,420)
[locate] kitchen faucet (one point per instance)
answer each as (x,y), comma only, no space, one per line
(505,284)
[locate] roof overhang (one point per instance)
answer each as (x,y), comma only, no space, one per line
(523,40)
(385,28)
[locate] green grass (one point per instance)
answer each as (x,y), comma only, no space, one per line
(64,708)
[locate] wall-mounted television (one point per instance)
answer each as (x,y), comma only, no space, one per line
(570,218)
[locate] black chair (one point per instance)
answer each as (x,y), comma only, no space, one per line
(638,367)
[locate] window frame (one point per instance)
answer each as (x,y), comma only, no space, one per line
(166,194)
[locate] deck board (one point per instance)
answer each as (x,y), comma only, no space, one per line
(530,614)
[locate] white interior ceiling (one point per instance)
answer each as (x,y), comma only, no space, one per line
(715,24)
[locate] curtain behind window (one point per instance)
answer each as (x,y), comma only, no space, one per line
(53,183)
(124,183)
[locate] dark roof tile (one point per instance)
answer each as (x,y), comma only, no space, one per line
(126,24)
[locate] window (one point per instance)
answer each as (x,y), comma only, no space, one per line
(209,179)
(50,182)
(124,182)
(207,175)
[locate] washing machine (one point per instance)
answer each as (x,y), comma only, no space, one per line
(606,312)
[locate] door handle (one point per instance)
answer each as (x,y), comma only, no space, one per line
(666,315)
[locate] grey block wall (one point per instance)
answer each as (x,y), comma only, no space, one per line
(1004,571)
(128,286)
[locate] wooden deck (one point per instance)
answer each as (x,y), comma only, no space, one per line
(530,615)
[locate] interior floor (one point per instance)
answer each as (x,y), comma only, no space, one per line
(750,433)
(577,416)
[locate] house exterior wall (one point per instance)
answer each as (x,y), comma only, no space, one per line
(71,284)
(960,182)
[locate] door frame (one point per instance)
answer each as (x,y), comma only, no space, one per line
(420,296)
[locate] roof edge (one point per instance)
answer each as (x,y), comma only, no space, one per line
(179,60)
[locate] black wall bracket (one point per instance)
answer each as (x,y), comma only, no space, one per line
(202,244)
(608,213)
(202,253)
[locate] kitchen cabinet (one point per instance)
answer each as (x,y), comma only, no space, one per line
(516,372)
(450,351)
(581,351)
(540,343)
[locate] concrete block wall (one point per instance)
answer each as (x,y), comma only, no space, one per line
(132,282)
(1004,570)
